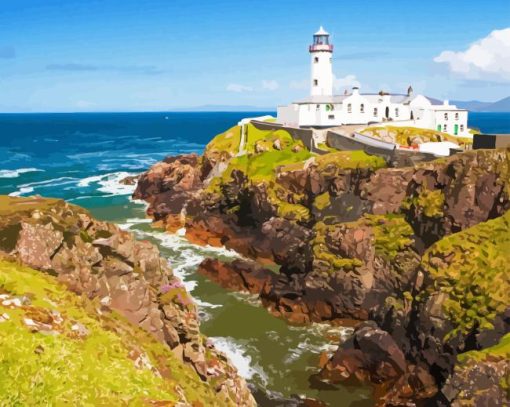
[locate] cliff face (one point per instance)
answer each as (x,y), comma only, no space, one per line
(355,239)
(107,265)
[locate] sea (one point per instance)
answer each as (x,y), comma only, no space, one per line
(82,157)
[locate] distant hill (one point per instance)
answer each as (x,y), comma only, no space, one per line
(225,108)
(502,105)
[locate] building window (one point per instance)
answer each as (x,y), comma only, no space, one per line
(446,116)
(396,112)
(349,108)
(461,128)
(456,116)
(362,108)
(331,116)
(318,107)
(375,111)
(316,59)
(445,129)
(315,82)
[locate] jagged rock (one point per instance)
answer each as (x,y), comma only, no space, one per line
(239,275)
(169,184)
(349,241)
(37,244)
(101,261)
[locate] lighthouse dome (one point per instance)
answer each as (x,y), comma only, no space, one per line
(321,31)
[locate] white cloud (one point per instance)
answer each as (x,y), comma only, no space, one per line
(270,84)
(236,87)
(347,81)
(487,58)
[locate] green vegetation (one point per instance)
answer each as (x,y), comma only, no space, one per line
(227,141)
(472,268)
(350,160)
(10,206)
(391,232)
(391,235)
(322,201)
(79,356)
(431,203)
(325,147)
(405,136)
(501,349)
(322,252)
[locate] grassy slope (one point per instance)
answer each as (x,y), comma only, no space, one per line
(97,369)
(476,275)
(262,166)
(404,135)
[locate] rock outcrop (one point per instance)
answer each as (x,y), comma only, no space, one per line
(356,239)
(103,262)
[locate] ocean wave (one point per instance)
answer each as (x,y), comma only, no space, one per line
(237,353)
(22,191)
(28,188)
(109,183)
(185,256)
(17,173)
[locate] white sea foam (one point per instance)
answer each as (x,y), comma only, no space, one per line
(109,183)
(205,304)
(28,188)
(85,182)
(22,191)
(17,173)
(185,256)
(238,356)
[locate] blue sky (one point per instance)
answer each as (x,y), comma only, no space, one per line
(134,55)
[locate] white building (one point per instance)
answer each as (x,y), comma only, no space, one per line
(323,109)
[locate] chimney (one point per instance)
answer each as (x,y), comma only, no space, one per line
(410,91)
(355,90)
(446,102)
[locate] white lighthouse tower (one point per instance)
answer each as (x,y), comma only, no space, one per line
(322,72)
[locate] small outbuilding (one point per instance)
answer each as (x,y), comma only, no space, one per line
(491,141)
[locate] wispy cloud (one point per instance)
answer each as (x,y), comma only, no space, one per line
(136,69)
(347,81)
(270,84)
(7,52)
(363,55)
(238,88)
(485,59)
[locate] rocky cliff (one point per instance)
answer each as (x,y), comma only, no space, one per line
(117,275)
(357,239)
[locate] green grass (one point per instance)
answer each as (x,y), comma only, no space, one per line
(98,369)
(392,234)
(501,349)
(10,206)
(431,203)
(405,135)
(474,275)
(227,141)
(322,201)
(350,160)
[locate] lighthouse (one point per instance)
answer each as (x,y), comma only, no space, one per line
(321,71)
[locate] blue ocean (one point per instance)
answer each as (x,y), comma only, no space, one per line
(82,158)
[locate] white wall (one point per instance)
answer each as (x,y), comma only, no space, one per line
(288,115)
(451,121)
(322,72)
